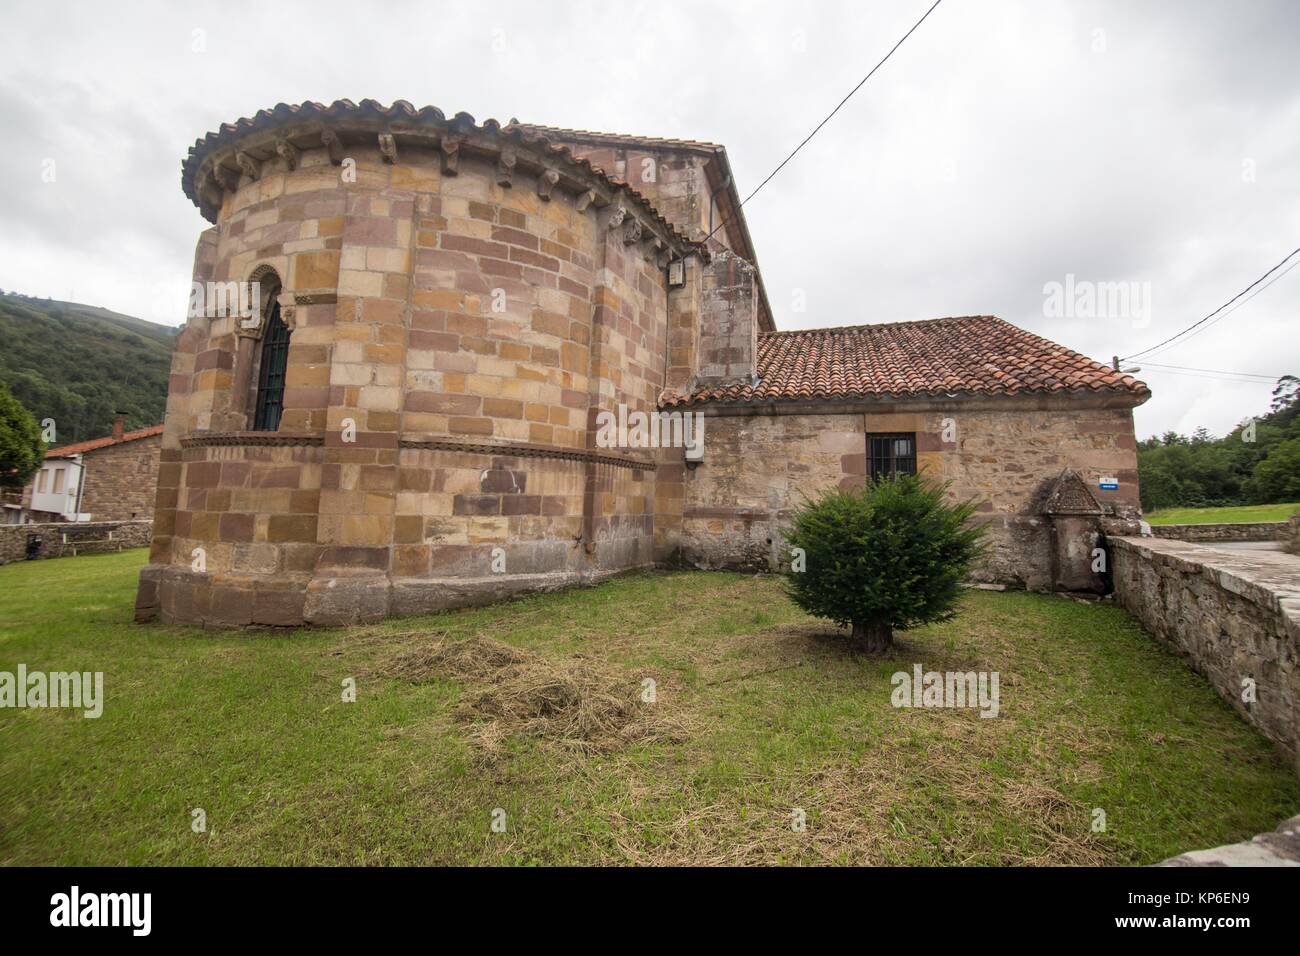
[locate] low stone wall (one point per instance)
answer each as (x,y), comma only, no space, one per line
(1280,847)
(1234,615)
(1253,531)
(68,539)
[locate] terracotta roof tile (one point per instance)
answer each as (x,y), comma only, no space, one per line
(92,444)
(971,355)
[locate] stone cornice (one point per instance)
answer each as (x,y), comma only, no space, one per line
(528,450)
(274,439)
(246,150)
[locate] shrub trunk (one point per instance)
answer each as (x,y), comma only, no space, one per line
(872,637)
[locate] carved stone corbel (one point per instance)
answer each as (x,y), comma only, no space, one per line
(449,148)
(586,199)
(506,168)
(631,231)
(545,183)
(616,216)
(251,167)
(289,153)
(289,316)
(226,177)
(388,147)
(331,141)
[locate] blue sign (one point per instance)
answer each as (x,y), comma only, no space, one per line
(1109,484)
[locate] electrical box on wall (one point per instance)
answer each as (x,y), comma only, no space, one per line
(676,273)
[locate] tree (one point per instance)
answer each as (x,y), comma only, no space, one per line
(890,554)
(1277,477)
(1286,394)
(21,447)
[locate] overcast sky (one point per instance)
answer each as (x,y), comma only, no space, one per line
(1007,145)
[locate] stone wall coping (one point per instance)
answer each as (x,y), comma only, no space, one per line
(1224,530)
(1269,580)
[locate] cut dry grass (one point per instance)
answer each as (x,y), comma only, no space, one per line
(575,702)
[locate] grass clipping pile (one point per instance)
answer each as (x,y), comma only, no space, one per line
(574,703)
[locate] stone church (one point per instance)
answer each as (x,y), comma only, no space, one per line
(405,420)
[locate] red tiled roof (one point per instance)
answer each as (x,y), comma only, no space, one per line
(971,355)
(92,444)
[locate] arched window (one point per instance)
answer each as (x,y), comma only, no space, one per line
(271,367)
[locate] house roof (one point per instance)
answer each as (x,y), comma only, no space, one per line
(970,355)
(301,125)
(94,444)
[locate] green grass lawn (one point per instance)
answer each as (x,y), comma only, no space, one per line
(780,717)
(1237,514)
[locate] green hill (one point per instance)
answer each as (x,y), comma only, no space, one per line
(78,364)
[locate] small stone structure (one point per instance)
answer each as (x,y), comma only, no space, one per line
(1075,516)
(1235,617)
(64,539)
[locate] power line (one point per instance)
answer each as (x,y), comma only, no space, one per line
(1205,328)
(1211,377)
(1214,371)
(823,122)
(1216,311)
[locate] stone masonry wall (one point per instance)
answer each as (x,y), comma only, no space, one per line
(1233,615)
(1006,454)
(121,481)
(68,539)
(728,339)
(454,336)
(1252,531)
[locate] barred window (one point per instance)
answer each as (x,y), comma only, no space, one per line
(891,454)
(271,369)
